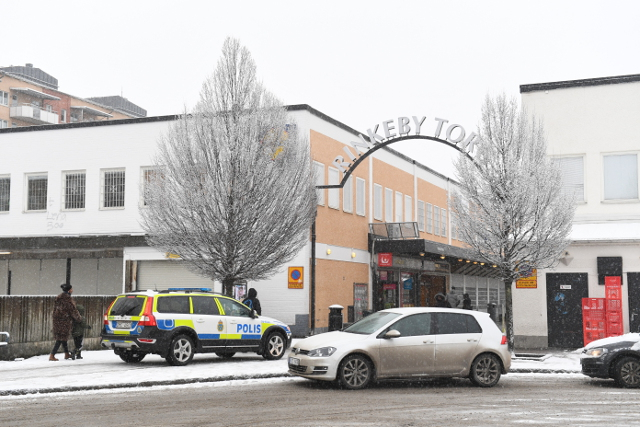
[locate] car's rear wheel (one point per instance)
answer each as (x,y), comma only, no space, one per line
(485,370)
(180,351)
(627,372)
(274,346)
(225,355)
(132,356)
(355,372)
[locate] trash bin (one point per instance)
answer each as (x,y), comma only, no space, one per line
(491,309)
(335,317)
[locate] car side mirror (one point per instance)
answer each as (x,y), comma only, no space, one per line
(394,333)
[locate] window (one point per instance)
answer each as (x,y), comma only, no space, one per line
(347,196)
(443,222)
(429,218)
(388,205)
(318,170)
(173,304)
(572,171)
(147,175)
(411,326)
(452,323)
(37,192)
(398,207)
(360,197)
(4,98)
(334,193)
(74,190)
(436,220)
(204,305)
(5,193)
(4,124)
(408,209)
(112,189)
(234,308)
(377,202)
(621,177)
(63,116)
(421,217)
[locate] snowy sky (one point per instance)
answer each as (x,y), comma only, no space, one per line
(360,62)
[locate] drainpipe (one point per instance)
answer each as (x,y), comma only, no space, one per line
(312,310)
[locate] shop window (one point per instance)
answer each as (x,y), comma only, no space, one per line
(388,204)
(360,197)
(37,192)
(377,202)
(620,177)
(334,193)
(74,190)
(347,196)
(318,170)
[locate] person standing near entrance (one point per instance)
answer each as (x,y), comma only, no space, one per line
(252,301)
(64,314)
(466,302)
(441,301)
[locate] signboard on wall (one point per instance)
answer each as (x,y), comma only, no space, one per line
(530,281)
(385,259)
(296,278)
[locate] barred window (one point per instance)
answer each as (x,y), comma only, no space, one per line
(74,190)
(5,193)
(113,189)
(37,192)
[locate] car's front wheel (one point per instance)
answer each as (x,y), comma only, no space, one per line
(180,351)
(485,370)
(627,372)
(274,346)
(355,372)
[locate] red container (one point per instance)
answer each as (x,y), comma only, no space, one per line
(613,292)
(614,329)
(593,303)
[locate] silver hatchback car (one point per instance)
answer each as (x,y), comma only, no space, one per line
(406,343)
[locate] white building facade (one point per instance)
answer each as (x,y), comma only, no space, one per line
(593,133)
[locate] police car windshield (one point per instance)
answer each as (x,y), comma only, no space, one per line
(371,323)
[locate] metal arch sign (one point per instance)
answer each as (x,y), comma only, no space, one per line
(399,130)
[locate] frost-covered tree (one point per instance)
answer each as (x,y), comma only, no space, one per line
(233,194)
(511,209)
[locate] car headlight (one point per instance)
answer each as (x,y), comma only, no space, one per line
(594,352)
(322,352)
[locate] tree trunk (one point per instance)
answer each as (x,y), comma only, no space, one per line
(508,321)
(227,287)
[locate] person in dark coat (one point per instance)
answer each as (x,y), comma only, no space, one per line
(441,301)
(466,302)
(252,301)
(78,333)
(64,314)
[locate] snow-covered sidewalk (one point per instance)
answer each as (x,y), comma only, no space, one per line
(102,369)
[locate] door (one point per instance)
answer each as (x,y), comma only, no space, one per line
(430,286)
(242,331)
(413,353)
(633,280)
(208,322)
(457,336)
(564,308)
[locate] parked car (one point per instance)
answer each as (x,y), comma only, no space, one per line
(614,357)
(406,343)
(179,322)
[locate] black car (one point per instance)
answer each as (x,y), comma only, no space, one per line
(614,357)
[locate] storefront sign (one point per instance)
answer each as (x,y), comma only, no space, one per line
(385,259)
(296,277)
(414,264)
(404,127)
(528,282)
(389,286)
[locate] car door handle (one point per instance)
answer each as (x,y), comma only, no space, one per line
(200,320)
(472,340)
(428,342)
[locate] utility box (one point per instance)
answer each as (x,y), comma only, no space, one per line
(335,317)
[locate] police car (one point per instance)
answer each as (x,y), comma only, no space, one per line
(179,322)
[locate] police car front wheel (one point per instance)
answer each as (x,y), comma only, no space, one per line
(274,346)
(180,351)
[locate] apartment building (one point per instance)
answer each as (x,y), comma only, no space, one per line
(30,96)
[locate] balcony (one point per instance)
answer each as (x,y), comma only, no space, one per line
(34,115)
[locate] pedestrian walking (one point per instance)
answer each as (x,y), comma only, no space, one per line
(78,333)
(466,302)
(441,301)
(252,301)
(64,314)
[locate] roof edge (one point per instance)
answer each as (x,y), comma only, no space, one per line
(599,81)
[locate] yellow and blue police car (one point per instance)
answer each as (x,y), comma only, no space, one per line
(179,322)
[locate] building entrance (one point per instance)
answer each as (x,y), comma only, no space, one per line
(429,287)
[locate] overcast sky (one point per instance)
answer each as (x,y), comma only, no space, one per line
(359,62)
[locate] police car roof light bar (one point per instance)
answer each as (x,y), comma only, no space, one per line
(190,289)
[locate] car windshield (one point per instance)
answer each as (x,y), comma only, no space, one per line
(372,323)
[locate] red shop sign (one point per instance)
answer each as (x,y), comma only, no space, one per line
(385,259)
